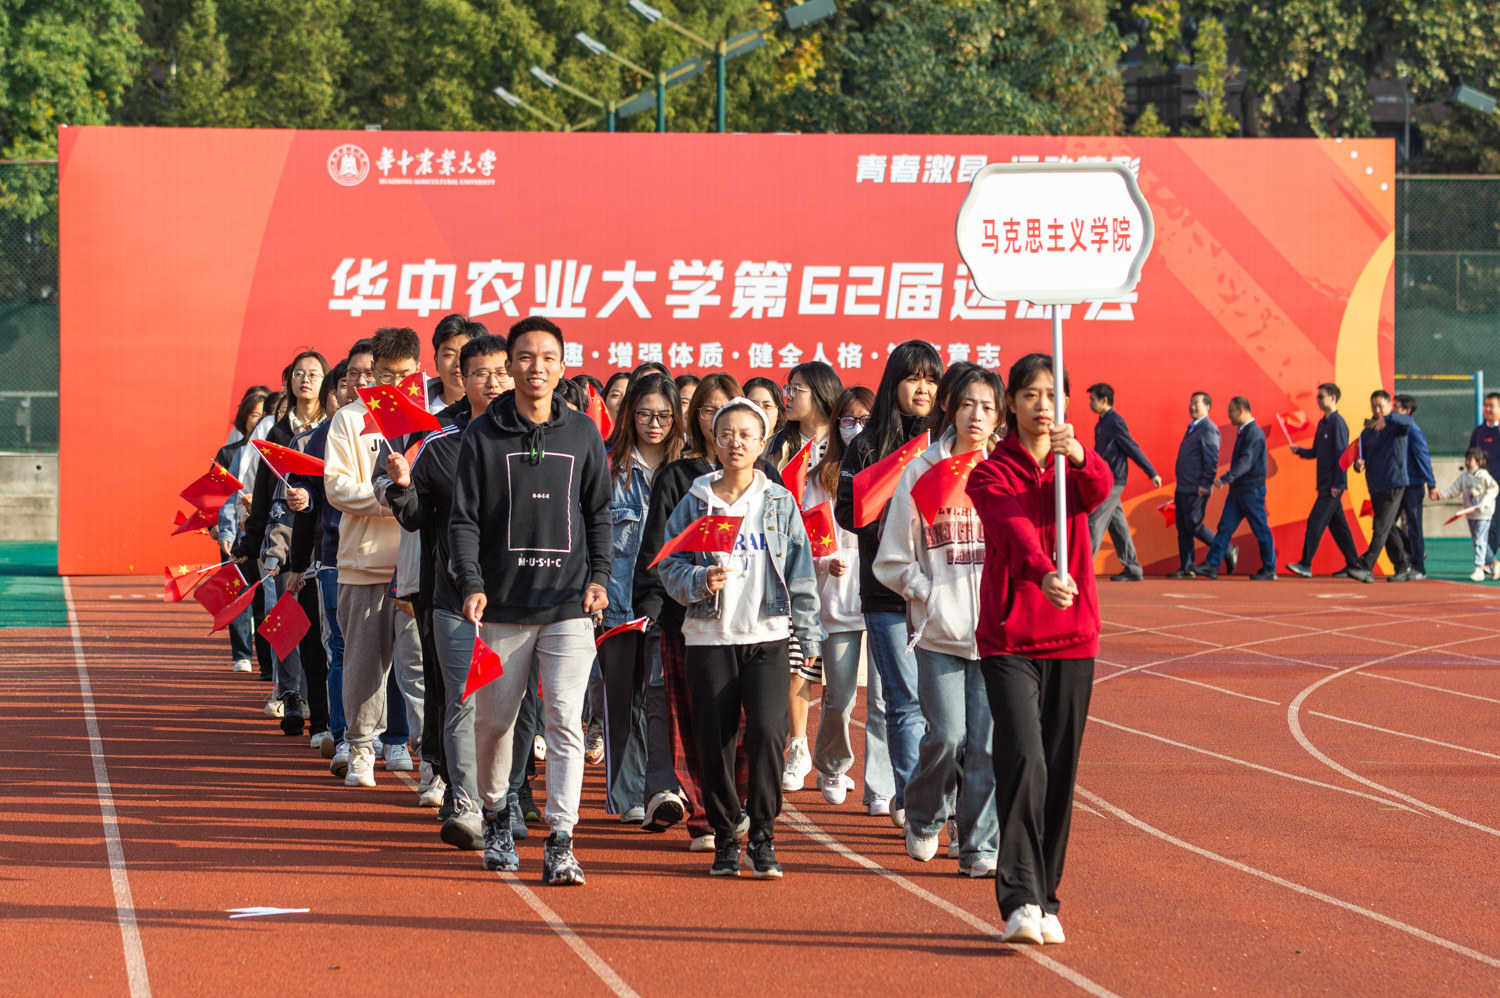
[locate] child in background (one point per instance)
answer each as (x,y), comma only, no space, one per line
(1478,489)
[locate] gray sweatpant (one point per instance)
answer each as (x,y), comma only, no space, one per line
(377,635)
(1110,517)
(563,654)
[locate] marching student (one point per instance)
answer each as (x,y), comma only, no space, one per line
(614,391)
(377,636)
(1419,480)
(1246,479)
(1113,441)
(640,780)
(1197,463)
(1038,637)
(448,339)
(844,627)
(529,541)
(768,395)
(739,619)
(902,404)
(1383,462)
(686,385)
(1477,490)
(1330,440)
(245,418)
(936,568)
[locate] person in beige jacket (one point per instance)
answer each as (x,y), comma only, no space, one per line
(937,568)
(376,634)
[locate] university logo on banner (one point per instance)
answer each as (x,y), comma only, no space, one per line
(348,165)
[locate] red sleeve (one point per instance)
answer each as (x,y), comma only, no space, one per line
(1095,480)
(1007,522)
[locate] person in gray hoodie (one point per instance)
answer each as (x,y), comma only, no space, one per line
(932,554)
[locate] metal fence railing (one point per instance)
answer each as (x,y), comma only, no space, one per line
(28,307)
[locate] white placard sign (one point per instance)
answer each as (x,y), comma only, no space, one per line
(1054,233)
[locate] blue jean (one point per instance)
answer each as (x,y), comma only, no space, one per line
(333,647)
(833,753)
(898,684)
(1479,530)
(241,630)
(1249,505)
(956,705)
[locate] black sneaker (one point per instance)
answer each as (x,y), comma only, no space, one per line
(762,857)
(499,847)
(1206,571)
(1264,574)
(559,868)
(291,714)
(529,809)
(1231,559)
(1128,576)
(1182,573)
(1297,568)
(518,829)
(726,857)
(1399,577)
(1342,573)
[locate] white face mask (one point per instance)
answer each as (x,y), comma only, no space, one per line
(849,432)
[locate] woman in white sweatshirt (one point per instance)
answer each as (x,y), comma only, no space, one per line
(932,554)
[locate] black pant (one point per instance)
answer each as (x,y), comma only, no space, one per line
(721,679)
(625,671)
(1386,505)
(314,662)
(1040,706)
(435,699)
(1328,514)
(1190,509)
(1411,535)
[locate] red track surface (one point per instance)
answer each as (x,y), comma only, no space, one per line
(1213,851)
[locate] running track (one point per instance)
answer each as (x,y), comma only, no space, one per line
(1287,789)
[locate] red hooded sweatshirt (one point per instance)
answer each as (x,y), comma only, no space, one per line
(1014,498)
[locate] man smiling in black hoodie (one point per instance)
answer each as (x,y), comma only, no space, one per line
(531,542)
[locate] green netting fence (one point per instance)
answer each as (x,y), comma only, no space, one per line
(28,307)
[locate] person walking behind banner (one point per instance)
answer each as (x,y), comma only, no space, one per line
(1330,440)
(1419,480)
(908,389)
(530,541)
(1114,443)
(1383,462)
(376,634)
(1476,489)
(932,554)
(740,616)
(1038,635)
(1486,436)
(1197,463)
(1246,479)
(227,531)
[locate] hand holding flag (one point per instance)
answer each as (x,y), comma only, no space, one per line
(213,489)
(395,415)
(484,666)
(874,486)
(822,530)
(1297,419)
(285,625)
(707,533)
(639,624)
(943,485)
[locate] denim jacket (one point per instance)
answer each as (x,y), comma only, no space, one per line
(629,497)
(791,591)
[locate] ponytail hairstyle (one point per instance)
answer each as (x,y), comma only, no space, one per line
(622,440)
(1023,373)
(827,470)
(825,388)
(885,429)
(719,381)
(957,380)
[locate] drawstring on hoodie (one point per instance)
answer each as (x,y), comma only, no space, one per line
(537,444)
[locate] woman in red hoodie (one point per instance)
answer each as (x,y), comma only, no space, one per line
(1038,635)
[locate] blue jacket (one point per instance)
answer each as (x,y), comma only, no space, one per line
(1418,461)
(792,592)
(630,496)
(1385,453)
(1329,445)
(1114,443)
(1247,465)
(1198,457)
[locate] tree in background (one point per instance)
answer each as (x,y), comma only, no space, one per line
(1211,55)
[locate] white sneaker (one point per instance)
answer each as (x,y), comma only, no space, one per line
(798,765)
(339,764)
(849,783)
(431,788)
(1475,576)
(880,807)
(833,787)
(634,816)
(378,747)
(398,759)
(274,707)
(1052,930)
(318,739)
(242,665)
(539,748)
(1024,925)
(898,817)
(919,848)
(981,868)
(361,768)
(953,844)
(702,843)
(1495,570)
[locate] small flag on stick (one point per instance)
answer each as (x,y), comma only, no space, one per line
(639,624)
(213,489)
(180,580)
(1351,453)
(1460,514)
(223,618)
(942,486)
(198,523)
(822,530)
(220,589)
(707,533)
(395,415)
(1296,419)
(484,666)
(794,475)
(874,486)
(1366,510)
(288,461)
(599,413)
(1168,511)
(414,387)
(285,625)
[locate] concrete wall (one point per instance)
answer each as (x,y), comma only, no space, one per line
(28,497)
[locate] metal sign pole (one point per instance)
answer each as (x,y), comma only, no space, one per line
(1059,416)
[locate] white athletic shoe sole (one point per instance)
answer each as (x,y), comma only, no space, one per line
(1024,926)
(1052,932)
(920,849)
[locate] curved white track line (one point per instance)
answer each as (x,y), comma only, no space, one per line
(1435,689)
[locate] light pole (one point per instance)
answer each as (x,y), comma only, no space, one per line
(680,73)
(515,101)
(610,108)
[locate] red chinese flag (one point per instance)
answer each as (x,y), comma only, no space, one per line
(639,624)
(180,580)
(1168,511)
(484,666)
(394,414)
(220,589)
(874,486)
(285,625)
(794,475)
(287,461)
(224,617)
(599,413)
(213,489)
(1366,510)
(942,486)
(707,533)
(414,387)
(198,523)
(1350,455)
(822,530)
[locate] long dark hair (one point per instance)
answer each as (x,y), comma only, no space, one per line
(826,388)
(318,399)
(623,440)
(1026,370)
(886,430)
(719,381)
(775,391)
(247,406)
(956,381)
(827,470)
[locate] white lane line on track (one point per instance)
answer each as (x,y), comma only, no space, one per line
(1438,689)
(1209,686)
(796,819)
(1282,882)
(1094,718)
(130,932)
(584,951)
(1403,734)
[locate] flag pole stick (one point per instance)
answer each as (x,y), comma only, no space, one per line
(1060,496)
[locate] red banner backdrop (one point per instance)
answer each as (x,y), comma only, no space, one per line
(197,262)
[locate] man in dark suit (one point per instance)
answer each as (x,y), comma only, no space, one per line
(1114,443)
(1419,480)
(1197,461)
(1383,444)
(1246,479)
(1329,444)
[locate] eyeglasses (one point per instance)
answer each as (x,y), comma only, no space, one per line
(708,411)
(792,391)
(729,438)
(647,418)
(389,379)
(359,377)
(850,422)
(486,375)
(770,407)
(301,375)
